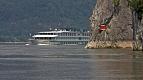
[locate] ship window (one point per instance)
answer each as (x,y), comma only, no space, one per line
(66,34)
(58,34)
(50,33)
(36,38)
(86,34)
(79,38)
(74,34)
(45,37)
(62,34)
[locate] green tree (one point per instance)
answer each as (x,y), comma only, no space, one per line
(116,2)
(136,7)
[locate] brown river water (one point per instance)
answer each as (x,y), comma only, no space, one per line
(72,62)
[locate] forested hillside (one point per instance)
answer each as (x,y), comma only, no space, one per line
(19,18)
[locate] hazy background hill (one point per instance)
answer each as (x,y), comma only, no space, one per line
(19,18)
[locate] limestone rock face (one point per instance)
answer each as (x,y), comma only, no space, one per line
(116,18)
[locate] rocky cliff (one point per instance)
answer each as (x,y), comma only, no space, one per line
(117,18)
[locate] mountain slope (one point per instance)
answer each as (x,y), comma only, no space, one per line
(18,18)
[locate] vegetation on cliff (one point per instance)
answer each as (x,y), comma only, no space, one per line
(19,18)
(116,2)
(136,7)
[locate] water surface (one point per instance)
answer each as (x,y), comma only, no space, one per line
(61,62)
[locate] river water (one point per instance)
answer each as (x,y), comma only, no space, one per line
(73,62)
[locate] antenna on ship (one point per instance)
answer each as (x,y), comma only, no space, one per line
(59,24)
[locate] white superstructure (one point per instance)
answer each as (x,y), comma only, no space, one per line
(66,36)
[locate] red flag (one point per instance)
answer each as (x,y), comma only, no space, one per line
(102,27)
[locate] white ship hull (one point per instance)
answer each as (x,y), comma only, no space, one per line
(38,42)
(58,42)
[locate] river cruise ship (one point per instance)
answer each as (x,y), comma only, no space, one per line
(66,36)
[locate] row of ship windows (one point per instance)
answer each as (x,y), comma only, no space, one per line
(70,38)
(46,34)
(60,38)
(74,34)
(72,42)
(65,34)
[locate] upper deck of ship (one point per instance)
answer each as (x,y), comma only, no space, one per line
(60,30)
